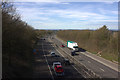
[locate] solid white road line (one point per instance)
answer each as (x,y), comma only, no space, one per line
(116,69)
(100,61)
(47,63)
(72,65)
(72,57)
(102,69)
(89,62)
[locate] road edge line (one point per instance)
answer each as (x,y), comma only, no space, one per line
(47,63)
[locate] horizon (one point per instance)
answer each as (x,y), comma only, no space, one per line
(78,29)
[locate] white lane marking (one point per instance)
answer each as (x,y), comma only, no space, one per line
(72,65)
(116,69)
(102,69)
(76,60)
(72,57)
(100,61)
(60,53)
(89,62)
(47,63)
(38,60)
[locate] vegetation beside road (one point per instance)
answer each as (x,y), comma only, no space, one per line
(100,42)
(18,40)
(42,33)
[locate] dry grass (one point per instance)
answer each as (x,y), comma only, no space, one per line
(101,40)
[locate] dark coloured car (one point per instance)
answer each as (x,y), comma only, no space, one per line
(57,55)
(66,62)
(72,53)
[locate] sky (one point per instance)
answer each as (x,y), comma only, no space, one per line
(69,15)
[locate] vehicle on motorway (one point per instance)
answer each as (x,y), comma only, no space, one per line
(66,62)
(57,67)
(53,54)
(72,45)
(62,45)
(42,39)
(52,37)
(72,53)
(56,55)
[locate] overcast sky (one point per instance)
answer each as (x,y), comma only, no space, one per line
(69,15)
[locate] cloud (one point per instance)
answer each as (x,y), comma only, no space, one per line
(107,1)
(65,3)
(114,12)
(77,14)
(108,21)
(31,14)
(50,15)
(36,1)
(103,11)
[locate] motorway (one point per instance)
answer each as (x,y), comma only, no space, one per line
(98,68)
(42,68)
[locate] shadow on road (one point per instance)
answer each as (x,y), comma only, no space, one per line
(81,50)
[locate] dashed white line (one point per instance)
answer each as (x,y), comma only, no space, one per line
(102,69)
(47,63)
(74,58)
(116,69)
(72,65)
(89,62)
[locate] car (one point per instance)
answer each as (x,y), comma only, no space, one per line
(62,45)
(57,67)
(52,54)
(57,55)
(66,62)
(56,63)
(41,39)
(72,53)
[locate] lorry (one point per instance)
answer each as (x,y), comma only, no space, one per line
(72,45)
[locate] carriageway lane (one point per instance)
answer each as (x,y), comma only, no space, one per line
(70,72)
(40,67)
(98,68)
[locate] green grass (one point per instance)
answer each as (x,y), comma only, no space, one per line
(106,55)
(110,57)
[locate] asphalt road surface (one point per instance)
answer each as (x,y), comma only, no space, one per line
(43,63)
(99,68)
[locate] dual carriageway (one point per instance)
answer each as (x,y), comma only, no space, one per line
(82,66)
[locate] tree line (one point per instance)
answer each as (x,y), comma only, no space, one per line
(18,40)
